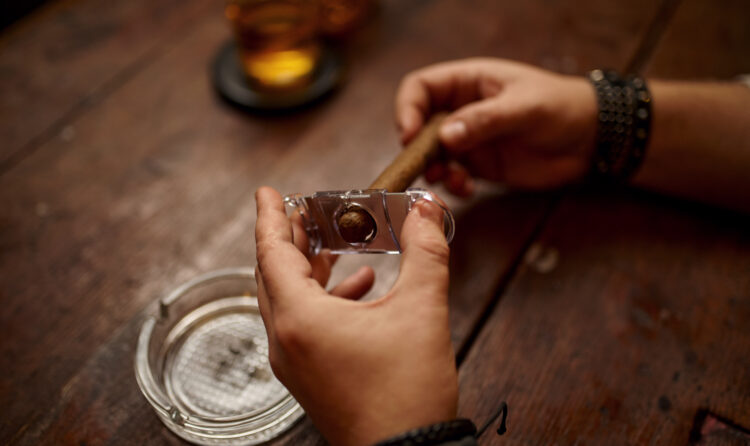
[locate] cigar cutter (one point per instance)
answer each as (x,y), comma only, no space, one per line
(379,218)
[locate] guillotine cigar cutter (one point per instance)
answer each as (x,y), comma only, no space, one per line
(383,213)
(370,220)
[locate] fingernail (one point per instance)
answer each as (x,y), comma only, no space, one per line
(453,131)
(430,211)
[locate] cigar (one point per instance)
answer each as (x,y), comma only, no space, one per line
(357,225)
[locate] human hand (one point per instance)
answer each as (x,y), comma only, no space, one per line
(509,122)
(363,371)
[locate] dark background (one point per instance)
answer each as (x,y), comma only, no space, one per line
(10,10)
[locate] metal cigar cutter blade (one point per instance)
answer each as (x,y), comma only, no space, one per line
(384,213)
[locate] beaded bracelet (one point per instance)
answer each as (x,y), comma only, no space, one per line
(624,125)
(456,432)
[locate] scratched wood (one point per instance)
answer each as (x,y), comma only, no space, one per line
(629,316)
(642,322)
(708,42)
(153,184)
(57,61)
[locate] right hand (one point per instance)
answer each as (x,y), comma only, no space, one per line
(363,371)
(509,122)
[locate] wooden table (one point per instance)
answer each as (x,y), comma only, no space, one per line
(600,317)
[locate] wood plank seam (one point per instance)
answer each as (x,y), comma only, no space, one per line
(504,281)
(643,52)
(42,419)
(654,33)
(104,90)
(78,109)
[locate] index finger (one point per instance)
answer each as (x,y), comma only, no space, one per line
(287,274)
(444,85)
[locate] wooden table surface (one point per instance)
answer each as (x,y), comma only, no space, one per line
(600,317)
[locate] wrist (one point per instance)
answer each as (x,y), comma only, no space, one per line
(583,110)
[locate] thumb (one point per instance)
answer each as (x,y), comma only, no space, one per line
(475,123)
(424,263)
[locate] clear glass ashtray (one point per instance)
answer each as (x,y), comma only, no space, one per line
(202,363)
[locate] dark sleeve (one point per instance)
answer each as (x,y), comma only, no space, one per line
(469,440)
(460,432)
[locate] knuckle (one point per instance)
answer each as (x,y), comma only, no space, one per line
(478,123)
(266,245)
(434,246)
(265,249)
(409,80)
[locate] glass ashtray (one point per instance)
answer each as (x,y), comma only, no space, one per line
(202,363)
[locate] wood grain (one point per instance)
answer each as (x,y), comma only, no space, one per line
(57,62)
(628,318)
(705,42)
(85,242)
(152,184)
(640,323)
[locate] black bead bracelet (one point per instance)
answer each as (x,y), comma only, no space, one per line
(624,125)
(458,432)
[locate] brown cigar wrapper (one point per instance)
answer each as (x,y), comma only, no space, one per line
(356,226)
(411,162)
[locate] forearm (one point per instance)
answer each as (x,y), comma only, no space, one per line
(700,143)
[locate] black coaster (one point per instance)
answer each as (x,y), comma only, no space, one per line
(230,82)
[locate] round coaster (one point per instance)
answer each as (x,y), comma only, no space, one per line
(230,82)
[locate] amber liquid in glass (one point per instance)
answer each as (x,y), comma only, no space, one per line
(277,40)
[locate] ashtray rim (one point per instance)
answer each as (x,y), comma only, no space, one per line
(253,428)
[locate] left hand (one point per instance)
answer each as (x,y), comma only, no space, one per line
(363,371)
(509,122)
